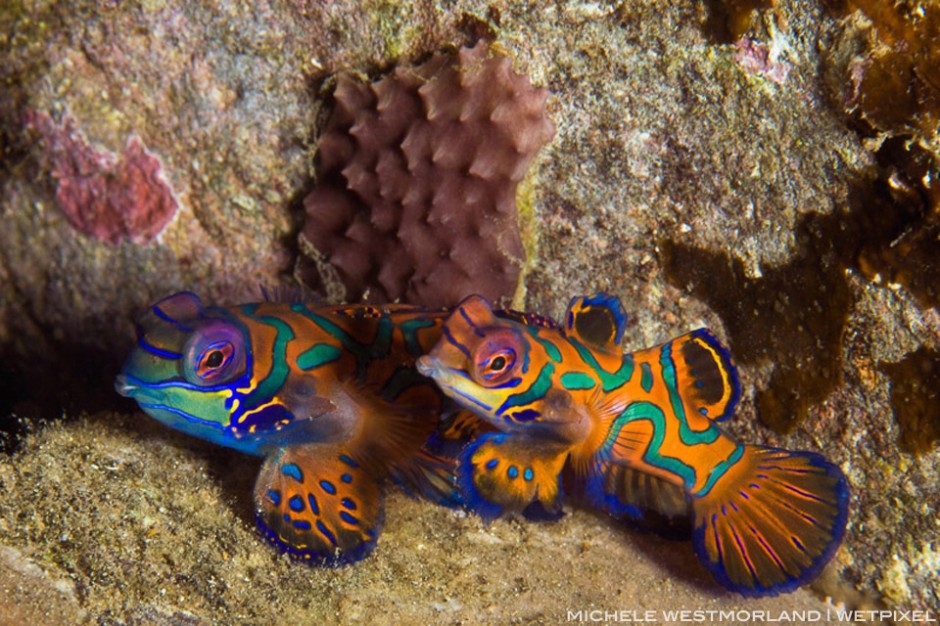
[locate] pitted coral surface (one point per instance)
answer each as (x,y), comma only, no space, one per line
(418,175)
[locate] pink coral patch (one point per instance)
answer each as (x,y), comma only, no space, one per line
(103,196)
(758,58)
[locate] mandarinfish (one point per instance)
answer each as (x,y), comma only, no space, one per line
(633,433)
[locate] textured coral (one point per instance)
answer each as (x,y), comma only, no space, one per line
(418,176)
(111,199)
(758,58)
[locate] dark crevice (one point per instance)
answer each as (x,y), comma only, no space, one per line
(728,20)
(915,394)
(794,315)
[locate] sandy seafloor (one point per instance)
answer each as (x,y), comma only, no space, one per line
(745,156)
(115,522)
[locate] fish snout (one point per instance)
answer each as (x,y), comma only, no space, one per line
(428,365)
(123,387)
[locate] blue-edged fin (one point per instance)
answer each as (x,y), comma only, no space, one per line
(626,492)
(598,320)
(772,521)
(318,503)
(705,376)
(502,473)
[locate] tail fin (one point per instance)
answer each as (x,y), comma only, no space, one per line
(772,522)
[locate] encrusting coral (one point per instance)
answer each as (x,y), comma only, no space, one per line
(416,199)
(109,198)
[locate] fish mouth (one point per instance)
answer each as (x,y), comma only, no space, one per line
(429,366)
(433,368)
(124,387)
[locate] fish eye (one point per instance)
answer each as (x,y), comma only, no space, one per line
(214,354)
(213,358)
(496,366)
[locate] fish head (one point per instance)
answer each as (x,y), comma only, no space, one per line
(187,365)
(483,361)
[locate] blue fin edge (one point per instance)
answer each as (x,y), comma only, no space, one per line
(473,500)
(602,298)
(318,559)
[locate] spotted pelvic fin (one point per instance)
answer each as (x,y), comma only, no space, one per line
(502,473)
(772,522)
(598,320)
(319,504)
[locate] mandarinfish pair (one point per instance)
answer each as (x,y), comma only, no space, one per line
(338,398)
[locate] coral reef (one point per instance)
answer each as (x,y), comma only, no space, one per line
(893,84)
(761,59)
(663,138)
(416,197)
(109,198)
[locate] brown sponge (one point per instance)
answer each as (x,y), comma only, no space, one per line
(416,199)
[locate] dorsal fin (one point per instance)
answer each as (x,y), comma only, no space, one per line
(476,311)
(178,308)
(598,320)
(288,294)
(706,378)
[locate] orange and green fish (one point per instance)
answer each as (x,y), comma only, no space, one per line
(328,395)
(633,433)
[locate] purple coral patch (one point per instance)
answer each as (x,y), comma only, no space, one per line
(418,173)
(106,197)
(759,58)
